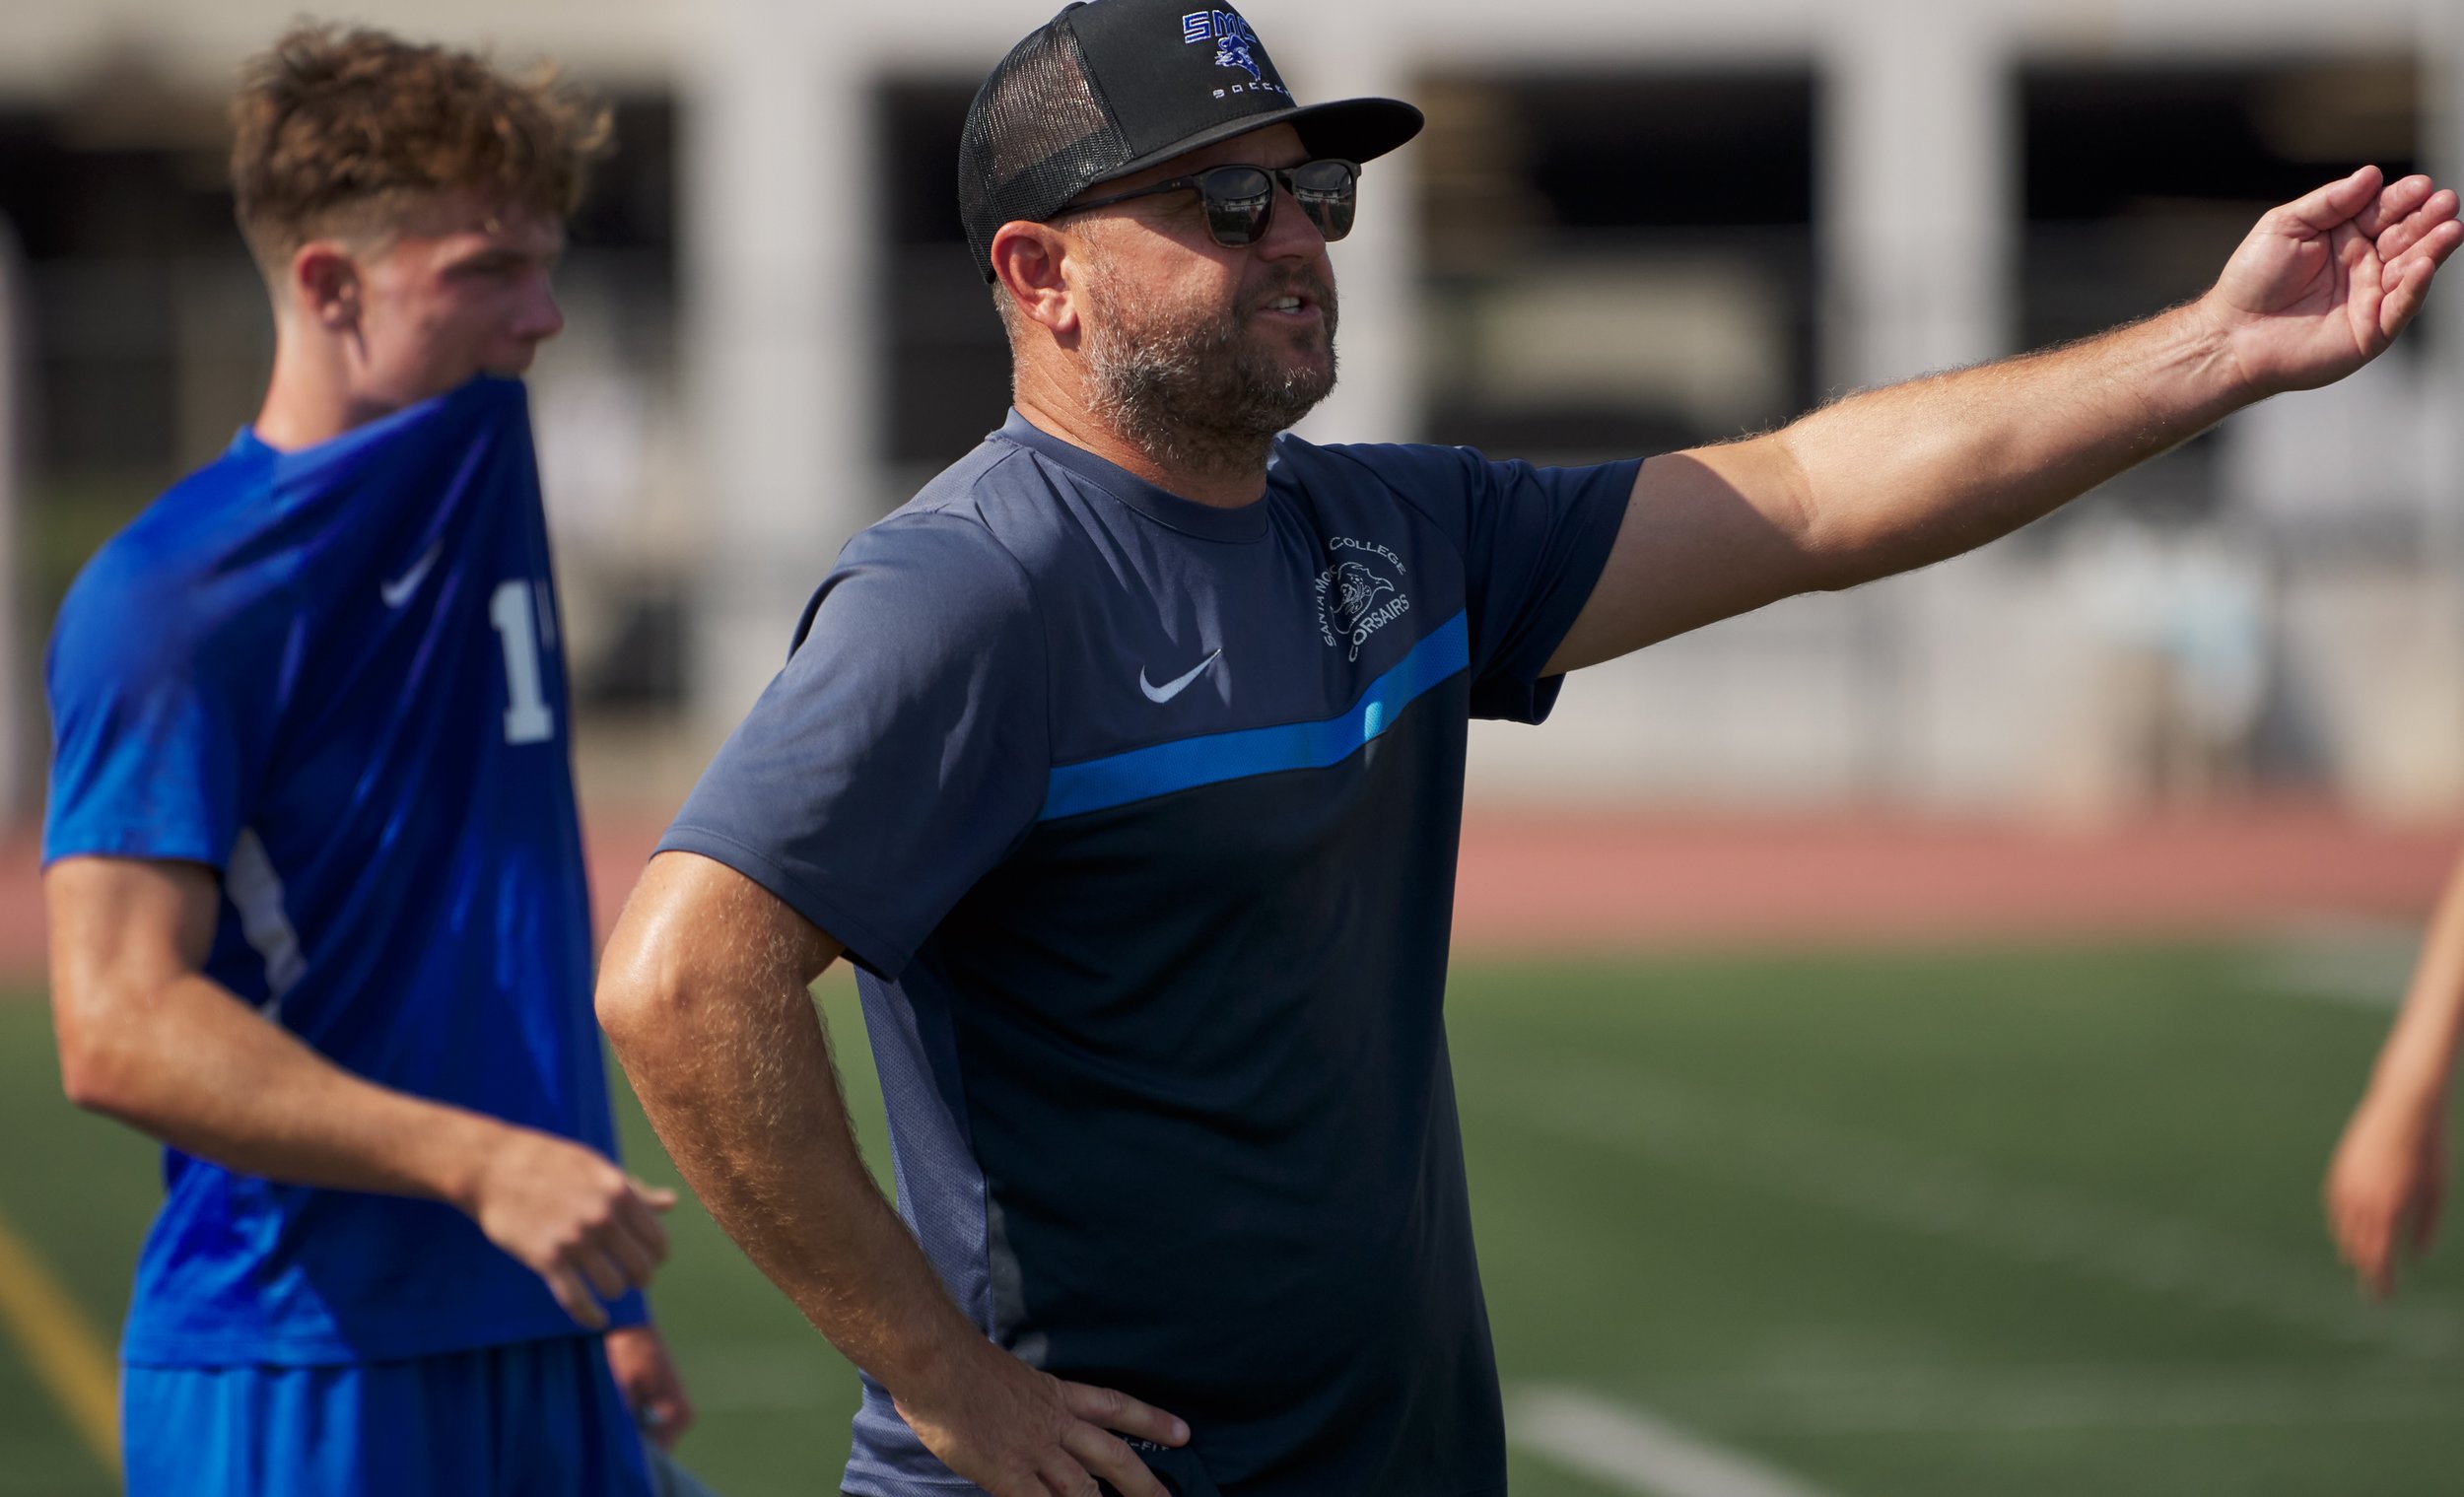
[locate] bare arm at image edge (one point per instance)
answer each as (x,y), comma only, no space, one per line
(1898,478)
(704,993)
(2388,1178)
(145,1037)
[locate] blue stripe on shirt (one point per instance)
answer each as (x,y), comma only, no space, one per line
(1099,785)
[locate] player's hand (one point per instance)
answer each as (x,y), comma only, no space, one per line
(570,1216)
(2385,1185)
(2324,283)
(637,1356)
(1017,1432)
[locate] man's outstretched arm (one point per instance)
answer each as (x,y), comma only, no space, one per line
(1901,477)
(146,1037)
(704,991)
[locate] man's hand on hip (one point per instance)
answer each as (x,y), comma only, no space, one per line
(1017,1432)
(2324,283)
(586,1227)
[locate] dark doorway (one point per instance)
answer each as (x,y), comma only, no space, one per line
(1619,263)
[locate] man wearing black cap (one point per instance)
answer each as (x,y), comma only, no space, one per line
(1125,764)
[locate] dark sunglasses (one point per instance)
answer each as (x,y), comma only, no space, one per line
(1240,200)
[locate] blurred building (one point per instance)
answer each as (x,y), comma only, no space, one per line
(1630,228)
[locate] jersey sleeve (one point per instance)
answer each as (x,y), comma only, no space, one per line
(901,754)
(1533,542)
(161,717)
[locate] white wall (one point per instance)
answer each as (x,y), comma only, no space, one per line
(1985,681)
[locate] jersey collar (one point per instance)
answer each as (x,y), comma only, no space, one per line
(1164,508)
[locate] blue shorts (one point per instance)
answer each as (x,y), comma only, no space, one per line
(535,1417)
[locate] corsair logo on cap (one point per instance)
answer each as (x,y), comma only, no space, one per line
(1236,47)
(1231,35)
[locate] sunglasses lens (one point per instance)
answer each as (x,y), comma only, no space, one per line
(1326,177)
(1328,191)
(1239,201)
(1332,215)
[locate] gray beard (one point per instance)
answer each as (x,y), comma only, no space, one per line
(1197,396)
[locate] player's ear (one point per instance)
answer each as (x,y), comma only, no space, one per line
(1029,260)
(325,285)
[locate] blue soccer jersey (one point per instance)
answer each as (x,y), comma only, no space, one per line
(333,675)
(1139,819)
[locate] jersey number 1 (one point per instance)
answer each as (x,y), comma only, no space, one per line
(526,715)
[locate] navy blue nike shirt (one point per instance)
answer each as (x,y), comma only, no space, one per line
(1139,819)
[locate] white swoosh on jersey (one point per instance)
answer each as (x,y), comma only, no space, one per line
(1174,687)
(398,592)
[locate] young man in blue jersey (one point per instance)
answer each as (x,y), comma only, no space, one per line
(314,875)
(1125,765)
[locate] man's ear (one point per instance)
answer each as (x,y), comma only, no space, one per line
(1030,261)
(325,285)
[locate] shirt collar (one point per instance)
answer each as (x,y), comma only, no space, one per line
(1164,508)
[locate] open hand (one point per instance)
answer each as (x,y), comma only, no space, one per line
(2324,283)
(2385,1185)
(570,1215)
(1017,1432)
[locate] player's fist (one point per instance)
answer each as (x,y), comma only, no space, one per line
(2384,1186)
(646,1375)
(586,1227)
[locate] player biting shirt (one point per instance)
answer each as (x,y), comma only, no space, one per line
(315,876)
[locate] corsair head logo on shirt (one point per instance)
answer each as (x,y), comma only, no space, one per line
(1357,596)
(1356,587)
(1236,47)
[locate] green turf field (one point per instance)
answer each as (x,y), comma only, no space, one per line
(2015,1223)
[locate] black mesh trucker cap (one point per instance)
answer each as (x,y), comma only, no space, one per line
(1105,89)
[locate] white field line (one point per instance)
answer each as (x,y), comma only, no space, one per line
(2366,964)
(1869,1401)
(1888,1185)
(1635,1452)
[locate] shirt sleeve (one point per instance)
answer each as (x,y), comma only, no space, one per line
(902,752)
(1533,542)
(160,717)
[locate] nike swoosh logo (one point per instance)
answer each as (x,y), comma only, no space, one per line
(1177,684)
(398,592)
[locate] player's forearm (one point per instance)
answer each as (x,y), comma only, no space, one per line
(733,1067)
(1901,477)
(196,1067)
(2418,1062)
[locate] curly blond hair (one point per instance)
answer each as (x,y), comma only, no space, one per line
(348,131)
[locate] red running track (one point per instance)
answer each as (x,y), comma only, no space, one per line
(1537,882)
(1534,882)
